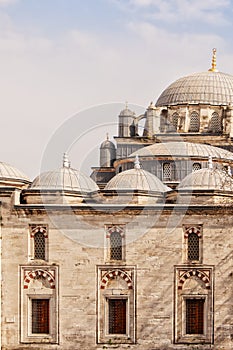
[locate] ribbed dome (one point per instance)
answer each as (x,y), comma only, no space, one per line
(65,178)
(107,144)
(186,149)
(8,172)
(127,113)
(136,179)
(212,88)
(207,179)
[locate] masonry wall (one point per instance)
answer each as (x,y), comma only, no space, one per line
(76,248)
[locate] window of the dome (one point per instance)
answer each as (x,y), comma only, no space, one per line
(175,118)
(215,123)
(194,125)
(196,166)
(167,171)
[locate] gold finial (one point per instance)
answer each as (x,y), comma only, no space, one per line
(126,105)
(66,162)
(213,68)
(107,136)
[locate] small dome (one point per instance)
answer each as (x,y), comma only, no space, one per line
(212,88)
(66,179)
(207,179)
(11,174)
(185,149)
(127,113)
(136,179)
(107,144)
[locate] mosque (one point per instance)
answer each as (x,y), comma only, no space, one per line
(140,254)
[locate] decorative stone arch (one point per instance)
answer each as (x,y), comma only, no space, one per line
(192,229)
(33,274)
(115,228)
(38,228)
(114,273)
(194,273)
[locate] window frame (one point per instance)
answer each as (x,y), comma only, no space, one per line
(187,230)
(33,229)
(205,290)
(109,229)
(105,292)
(28,293)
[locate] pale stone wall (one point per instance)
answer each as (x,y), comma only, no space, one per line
(154,254)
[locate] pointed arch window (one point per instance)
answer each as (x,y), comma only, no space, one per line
(194,125)
(39,246)
(215,123)
(175,119)
(193,247)
(38,242)
(115,243)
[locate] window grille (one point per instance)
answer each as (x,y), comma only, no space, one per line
(194,122)
(196,166)
(193,246)
(215,123)
(175,118)
(115,246)
(195,316)
(117,316)
(167,171)
(39,246)
(40,316)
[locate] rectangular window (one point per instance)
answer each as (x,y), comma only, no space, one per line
(117,316)
(193,247)
(195,316)
(39,246)
(40,316)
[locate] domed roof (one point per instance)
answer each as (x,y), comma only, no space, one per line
(127,113)
(212,88)
(107,144)
(185,149)
(8,172)
(207,179)
(66,179)
(136,179)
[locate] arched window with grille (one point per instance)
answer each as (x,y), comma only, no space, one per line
(167,171)
(115,246)
(39,246)
(38,242)
(215,123)
(196,166)
(194,125)
(193,247)
(175,119)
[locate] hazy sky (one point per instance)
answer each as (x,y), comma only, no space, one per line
(59,57)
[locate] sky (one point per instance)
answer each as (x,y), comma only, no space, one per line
(67,67)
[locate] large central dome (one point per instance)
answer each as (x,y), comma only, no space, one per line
(211,87)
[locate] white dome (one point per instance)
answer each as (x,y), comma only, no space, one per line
(65,178)
(185,149)
(11,174)
(136,179)
(207,179)
(212,88)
